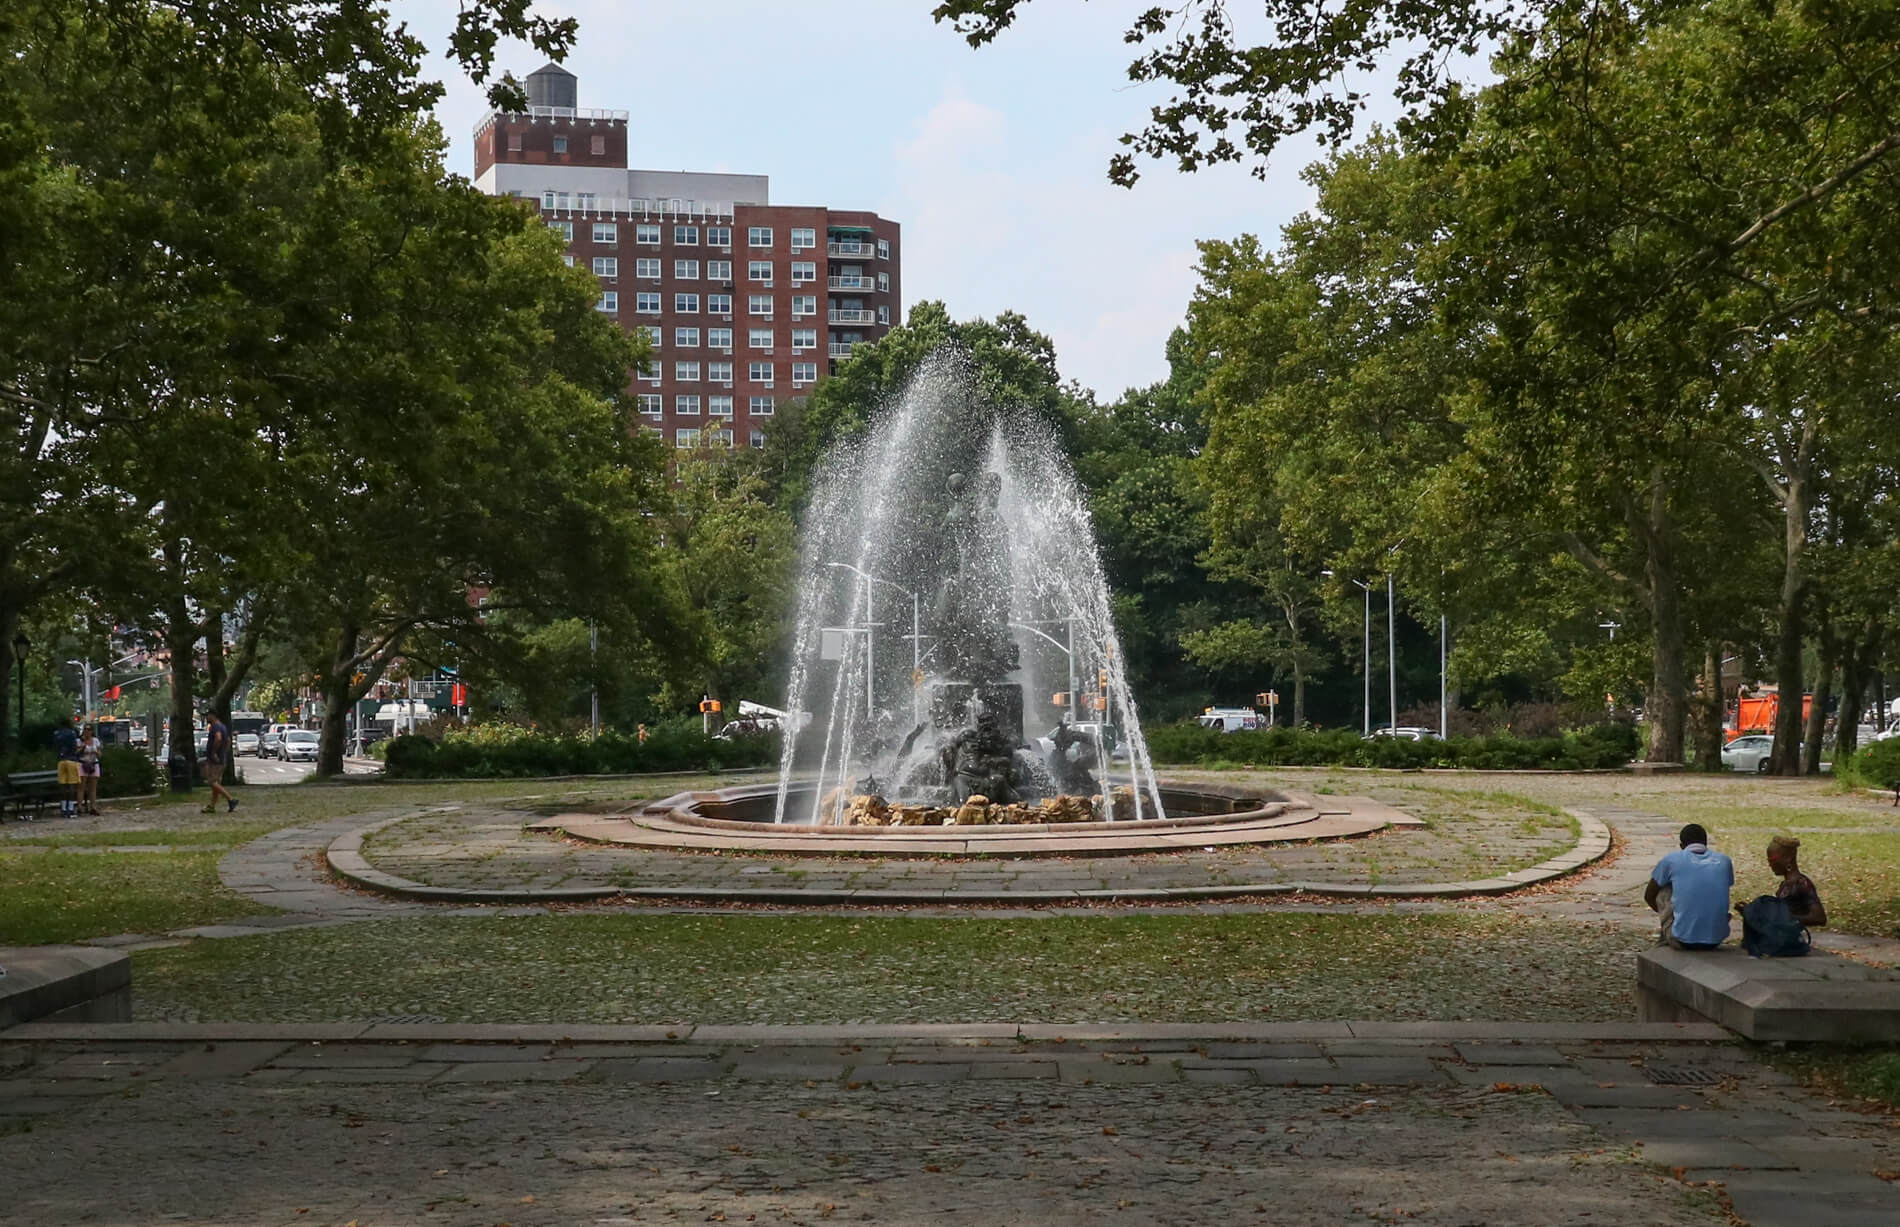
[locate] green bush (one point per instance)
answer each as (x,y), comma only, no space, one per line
(496,750)
(1599,746)
(1875,765)
(123,770)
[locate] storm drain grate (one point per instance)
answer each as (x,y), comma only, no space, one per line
(1682,1075)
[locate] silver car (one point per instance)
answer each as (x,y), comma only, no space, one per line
(300,745)
(1750,753)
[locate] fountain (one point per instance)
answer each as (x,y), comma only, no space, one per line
(955,661)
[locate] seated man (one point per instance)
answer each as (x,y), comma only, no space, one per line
(1689,888)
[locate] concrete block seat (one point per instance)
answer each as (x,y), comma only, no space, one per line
(64,983)
(1820,998)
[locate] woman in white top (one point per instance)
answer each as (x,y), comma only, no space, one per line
(89,751)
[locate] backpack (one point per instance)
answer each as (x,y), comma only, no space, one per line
(1769,930)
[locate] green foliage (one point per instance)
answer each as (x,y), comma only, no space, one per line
(1876,765)
(1592,748)
(498,751)
(123,771)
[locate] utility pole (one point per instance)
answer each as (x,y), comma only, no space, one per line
(1392,653)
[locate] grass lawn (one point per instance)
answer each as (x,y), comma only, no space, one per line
(65,895)
(632,967)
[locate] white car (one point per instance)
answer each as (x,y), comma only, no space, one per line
(1406,732)
(1750,753)
(299,745)
(245,743)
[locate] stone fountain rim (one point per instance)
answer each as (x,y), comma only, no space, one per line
(681,808)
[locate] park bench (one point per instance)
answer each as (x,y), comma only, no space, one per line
(1819,998)
(23,788)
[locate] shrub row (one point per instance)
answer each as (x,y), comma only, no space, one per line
(1598,746)
(123,771)
(491,751)
(1874,765)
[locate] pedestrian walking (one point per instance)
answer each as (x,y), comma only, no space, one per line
(91,749)
(217,754)
(66,748)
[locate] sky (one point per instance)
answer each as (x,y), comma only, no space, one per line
(994,161)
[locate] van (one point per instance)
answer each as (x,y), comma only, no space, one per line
(1231,719)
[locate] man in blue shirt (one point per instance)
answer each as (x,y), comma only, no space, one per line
(1690,889)
(66,749)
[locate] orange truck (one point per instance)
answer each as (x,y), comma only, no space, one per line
(1758,715)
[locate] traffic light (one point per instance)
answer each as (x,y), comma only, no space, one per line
(1102,678)
(1059,699)
(708,706)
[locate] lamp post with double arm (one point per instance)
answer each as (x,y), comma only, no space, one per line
(1365,669)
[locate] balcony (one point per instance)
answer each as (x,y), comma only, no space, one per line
(844,349)
(849,281)
(852,315)
(851,247)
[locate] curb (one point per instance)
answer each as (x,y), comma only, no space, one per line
(801,1035)
(345,858)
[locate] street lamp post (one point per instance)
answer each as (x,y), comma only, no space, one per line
(1366,668)
(1392,654)
(916,637)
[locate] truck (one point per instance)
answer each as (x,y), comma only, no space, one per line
(1757,715)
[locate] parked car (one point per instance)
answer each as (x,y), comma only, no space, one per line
(269,743)
(1750,753)
(300,746)
(1231,719)
(244,743)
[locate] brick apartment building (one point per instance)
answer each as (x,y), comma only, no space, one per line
(746,303)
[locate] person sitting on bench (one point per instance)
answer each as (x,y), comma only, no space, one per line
(1689,890)
(1796,889)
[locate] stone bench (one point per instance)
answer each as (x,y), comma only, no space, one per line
(64,984)
(1821,998)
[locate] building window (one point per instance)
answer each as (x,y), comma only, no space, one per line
(568,259)
(647,266)
(719,236)
(684,437)
(719,372)
(609,304)
(760,406)
(758,236)
(686,236)
(647,371)
(756,438)
(584,200)
(759,338)
(804,373)
(606,266)
(514,142)
(759,305)
(686,406)
(804,271)
(606,232)
(719,270)
(597,144)
(686,372)
(804,238)
(686,338)
(653,334)
(686,270)
(759,373)
(718,406)
(883,249)
(719,338)
(719,304)
(720,438)
(759,270)
(883,315)
(646,304)
(804,338)
(883,283)
(804,304)
(560,144)
(650,235)
(651,404)
(686,304)
(564,229)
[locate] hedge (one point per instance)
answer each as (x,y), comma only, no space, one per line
(1874,765)
(123,770)
(1595,747)
(493,751)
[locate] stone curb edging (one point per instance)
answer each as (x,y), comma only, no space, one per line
(345,858)
(381,776)
(797,1035)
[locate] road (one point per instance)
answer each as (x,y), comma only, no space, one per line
(276,771)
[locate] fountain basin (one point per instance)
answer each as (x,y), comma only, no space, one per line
(1199,816)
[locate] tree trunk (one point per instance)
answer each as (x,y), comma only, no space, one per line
(1823,691)
(1788,719)
(337,679)
(1668,692)
(1708,749)
(181,644)
(1860,655)
(9,679)
(1299,696)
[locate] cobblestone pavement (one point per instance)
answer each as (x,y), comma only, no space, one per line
(923,1127)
